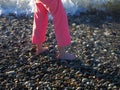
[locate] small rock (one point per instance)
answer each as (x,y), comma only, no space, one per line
(10,72)
(84,80)
(73,24)
(111,85)
(114,87)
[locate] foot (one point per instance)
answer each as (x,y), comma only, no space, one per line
(40,49)
(66,56)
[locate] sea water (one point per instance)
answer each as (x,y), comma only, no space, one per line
(71,6)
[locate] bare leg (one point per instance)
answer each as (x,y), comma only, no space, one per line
(61,29)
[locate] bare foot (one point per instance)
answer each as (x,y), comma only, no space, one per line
(40,49)
(66,56)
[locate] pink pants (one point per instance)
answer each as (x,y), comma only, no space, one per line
(41,21)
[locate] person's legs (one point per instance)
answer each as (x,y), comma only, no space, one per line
(39,27)
(61,27)
(60,21)
(40,24)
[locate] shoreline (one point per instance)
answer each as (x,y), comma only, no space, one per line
(95,40)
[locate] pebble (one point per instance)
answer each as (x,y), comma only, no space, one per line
(85,80)
(94,40)
(111,85)
(73,24)
(10,72)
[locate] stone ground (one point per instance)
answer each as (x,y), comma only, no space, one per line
(95,41)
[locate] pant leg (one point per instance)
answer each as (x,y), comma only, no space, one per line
(40,23)
(60,21)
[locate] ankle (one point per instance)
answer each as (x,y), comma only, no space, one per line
(39,46)
(61,50)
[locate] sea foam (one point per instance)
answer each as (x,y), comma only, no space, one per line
(72,6)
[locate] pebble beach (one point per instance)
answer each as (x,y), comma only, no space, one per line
(95,40)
